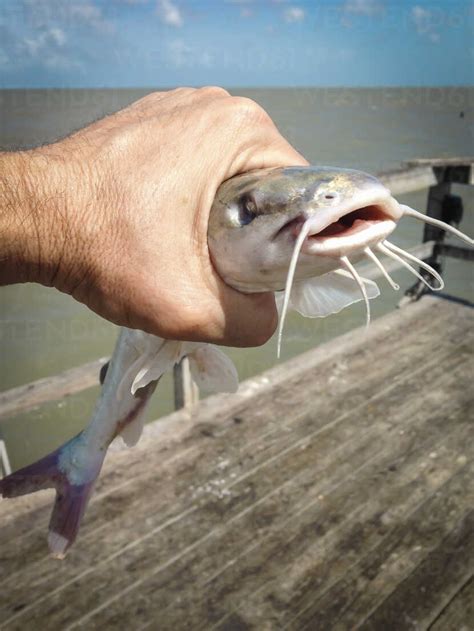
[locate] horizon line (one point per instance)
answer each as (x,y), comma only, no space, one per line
(248,87)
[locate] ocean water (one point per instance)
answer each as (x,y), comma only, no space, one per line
(43,332)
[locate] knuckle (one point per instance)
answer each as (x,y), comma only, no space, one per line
(146,101)
(152,97)
(182,90)
(248,109)
(213,90)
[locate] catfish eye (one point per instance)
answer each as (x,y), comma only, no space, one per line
(247,211)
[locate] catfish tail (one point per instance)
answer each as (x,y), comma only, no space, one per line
(72,477)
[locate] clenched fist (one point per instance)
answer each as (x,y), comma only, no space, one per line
(116,214)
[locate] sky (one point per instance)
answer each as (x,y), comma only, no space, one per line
(164,43)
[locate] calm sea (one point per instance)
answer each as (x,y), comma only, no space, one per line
(43,332)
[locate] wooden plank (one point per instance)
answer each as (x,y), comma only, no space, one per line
(290,553)
(181,570)
(345,604)
(5,468)
(381,505)
(408,179)
(458,613)
(282,487)
(36,393)
(441,162)
(289,401)
(433,583)
(287,387)
(186,392)
(203,525)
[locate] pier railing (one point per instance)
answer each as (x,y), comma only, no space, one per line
(438,175)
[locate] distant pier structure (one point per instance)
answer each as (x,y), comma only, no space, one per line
(443,204)
(333,491)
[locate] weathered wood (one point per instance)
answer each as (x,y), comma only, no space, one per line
(320,493)
(361,593)
(456,252)
(447,170)
(408,179)
(36,393)
(186,392)
(439,576)
(441,162)
(5,468)
(458,613)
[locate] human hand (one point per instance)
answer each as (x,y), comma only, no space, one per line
(116,214)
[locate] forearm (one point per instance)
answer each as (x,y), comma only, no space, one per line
(36,236)
(23,219)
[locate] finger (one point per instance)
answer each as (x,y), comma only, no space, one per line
(149,103)
(249,320)
(268,148)
(231,318)
(277,154)
(255,141)
(191,97)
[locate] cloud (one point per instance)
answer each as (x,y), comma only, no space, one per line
(245,12)
(48,47)
(52,38)
(363,7)
(169,13)
(424,23)
(183,55)
(294,14)
(179,53)
(42,13)
(51,34)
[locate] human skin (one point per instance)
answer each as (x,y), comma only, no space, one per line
(116,214)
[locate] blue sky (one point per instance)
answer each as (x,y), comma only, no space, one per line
(134,43)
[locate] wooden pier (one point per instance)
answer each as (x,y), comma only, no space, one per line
(335,491)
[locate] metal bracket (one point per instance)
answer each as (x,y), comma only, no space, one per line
(443,205)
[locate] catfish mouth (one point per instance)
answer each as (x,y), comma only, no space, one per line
(352,222)
(339,233)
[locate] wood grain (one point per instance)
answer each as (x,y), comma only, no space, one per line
(334,491)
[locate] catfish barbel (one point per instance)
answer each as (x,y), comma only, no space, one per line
(296,231)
